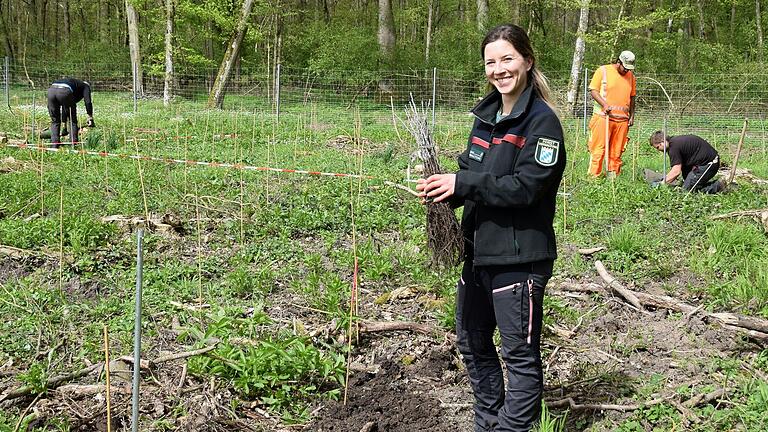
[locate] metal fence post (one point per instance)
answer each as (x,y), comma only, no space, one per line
(434,95)
(277,92)
(584,120)
(137,331)
(7,75)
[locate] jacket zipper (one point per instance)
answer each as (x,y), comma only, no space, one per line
(530,309)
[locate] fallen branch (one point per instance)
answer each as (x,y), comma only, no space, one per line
(572,405)
(51,383)
(755,328)
(627,294)
(183,355)
(690,403)
(57,381)
(382,326)
(92,389)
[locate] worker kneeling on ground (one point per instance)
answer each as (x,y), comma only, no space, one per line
(691,156)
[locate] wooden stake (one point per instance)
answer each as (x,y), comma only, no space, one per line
(738,152)
(106,370)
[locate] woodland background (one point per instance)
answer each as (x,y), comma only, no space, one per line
(185,38)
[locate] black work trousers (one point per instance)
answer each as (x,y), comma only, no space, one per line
(510,297)
(62,108)
(700,176)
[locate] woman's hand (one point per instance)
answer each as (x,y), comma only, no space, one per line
(436,188)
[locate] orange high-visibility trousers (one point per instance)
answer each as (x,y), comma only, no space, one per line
(617,133)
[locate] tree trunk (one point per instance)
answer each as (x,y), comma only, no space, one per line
(167,87)
(733,18)
(578,55)
(386,35)
(482,15)
(104,22)
(514,12)
(65,25)
(701,19)
(759,32)
(7,41)
(618,29)
(135,48)
(428,42)
(216,97)
(671,20)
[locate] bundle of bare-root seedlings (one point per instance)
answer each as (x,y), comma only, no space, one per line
(444,236)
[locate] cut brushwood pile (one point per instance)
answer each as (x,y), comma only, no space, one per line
(444,236)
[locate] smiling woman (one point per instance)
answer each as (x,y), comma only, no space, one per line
(507,182)
(507,70)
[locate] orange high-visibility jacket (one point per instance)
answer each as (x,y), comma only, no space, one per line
(616,89)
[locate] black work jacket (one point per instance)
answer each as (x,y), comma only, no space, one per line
(508,180)
(81,90)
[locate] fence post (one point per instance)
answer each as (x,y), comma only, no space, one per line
(584,120)
(277,92)
(7,75)
(137,332)
(434,95)
(135,84)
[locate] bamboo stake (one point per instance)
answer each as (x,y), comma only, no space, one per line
(394,121)
(106,168)
(738,152)
(199,248)
(61,239)
(141,181)
(239,146)
(42,183)
(353,300)
(106,370)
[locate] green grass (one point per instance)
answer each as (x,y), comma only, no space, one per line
(293,238)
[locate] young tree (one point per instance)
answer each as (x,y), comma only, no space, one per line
(428,41)
(216,97)
(578,55)
(133,42)
(169,12)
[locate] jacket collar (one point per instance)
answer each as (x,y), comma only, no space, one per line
(487,108)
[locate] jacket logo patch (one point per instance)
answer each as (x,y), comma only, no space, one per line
(476,154)
(547,151)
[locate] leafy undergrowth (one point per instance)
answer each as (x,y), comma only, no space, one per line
(259,267)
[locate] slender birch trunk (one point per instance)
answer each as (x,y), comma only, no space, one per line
(216,97)
(135,48)
(578,55)
(167,87)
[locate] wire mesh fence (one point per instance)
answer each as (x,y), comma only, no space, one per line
(696,103)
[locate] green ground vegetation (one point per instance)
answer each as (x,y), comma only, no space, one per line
(247,235)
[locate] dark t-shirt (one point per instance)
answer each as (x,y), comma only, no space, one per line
(690,151)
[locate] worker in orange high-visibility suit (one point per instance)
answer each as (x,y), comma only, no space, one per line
(613,88)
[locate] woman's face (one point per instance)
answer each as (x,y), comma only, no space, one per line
(505,68)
